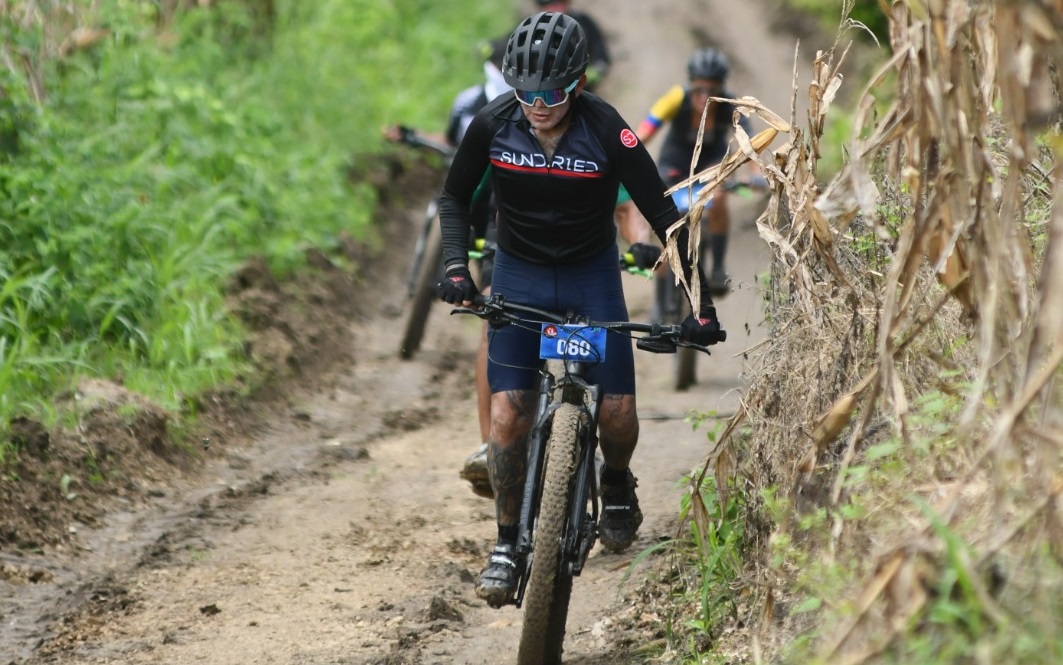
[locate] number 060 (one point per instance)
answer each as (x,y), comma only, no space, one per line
(573,347)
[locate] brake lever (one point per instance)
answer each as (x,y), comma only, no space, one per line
(467,310)
(696,347)
(496,319)
(655,345)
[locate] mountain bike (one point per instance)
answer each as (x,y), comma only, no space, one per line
(426,268)
(672,305)
(559,513)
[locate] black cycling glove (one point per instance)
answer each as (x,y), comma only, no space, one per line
(645,255)
(705,329)
(457,285)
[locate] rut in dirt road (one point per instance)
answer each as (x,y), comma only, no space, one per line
(343,533)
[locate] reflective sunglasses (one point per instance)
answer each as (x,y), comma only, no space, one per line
(550,98)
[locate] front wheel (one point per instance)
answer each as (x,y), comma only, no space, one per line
(549,584)
(672,308)
(424,292)
(686,368)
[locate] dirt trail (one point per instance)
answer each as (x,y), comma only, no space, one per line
(343,534)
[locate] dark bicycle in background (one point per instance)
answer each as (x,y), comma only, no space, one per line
(671,303)
(426,266)
(559,513)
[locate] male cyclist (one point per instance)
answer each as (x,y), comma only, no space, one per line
(633,228)
(683,108)
(557,156)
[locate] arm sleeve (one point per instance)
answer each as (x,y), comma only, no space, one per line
(663,110)
(638,174)
(463,178)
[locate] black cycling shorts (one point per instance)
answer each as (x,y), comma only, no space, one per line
(592,288)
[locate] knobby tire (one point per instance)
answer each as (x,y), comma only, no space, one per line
(673,306)
(424,294)
(549,587)
(686,372)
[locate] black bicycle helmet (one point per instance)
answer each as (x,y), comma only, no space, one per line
(546,51)
(708,63)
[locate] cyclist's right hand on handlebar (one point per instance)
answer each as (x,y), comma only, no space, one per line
(645,255)
(457,287)
(703,330)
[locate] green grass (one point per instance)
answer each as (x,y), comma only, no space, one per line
(161,158)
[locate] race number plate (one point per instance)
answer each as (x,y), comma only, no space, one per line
(569,342)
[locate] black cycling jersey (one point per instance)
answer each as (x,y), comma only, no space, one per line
(551,211)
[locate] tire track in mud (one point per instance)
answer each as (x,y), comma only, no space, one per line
(157,556)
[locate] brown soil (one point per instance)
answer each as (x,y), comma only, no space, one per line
(322,519)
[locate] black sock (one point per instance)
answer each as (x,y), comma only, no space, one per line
(718,243)
(611,476)
(507,534)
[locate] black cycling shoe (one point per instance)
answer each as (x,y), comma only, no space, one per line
(621,517)
(498,581)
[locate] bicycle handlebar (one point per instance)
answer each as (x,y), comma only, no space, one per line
(654,337)
(409,136)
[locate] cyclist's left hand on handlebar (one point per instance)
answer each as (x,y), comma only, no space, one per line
(704,330)
(645,255)
(457,287)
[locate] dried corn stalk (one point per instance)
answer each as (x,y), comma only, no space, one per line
(972,85)
(749,150)
(955,62)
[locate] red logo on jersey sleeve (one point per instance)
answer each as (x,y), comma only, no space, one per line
(628,138)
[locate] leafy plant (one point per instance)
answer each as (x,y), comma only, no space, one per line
(716,534)
(137,172)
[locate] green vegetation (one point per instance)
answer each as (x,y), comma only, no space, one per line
(705,563)
(137,172)
(869,13)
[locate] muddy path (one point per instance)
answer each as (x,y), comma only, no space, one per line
(342,533)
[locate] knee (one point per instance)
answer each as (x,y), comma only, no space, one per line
(508,424)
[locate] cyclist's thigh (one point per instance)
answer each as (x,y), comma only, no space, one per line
(513,351)
(594,289)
